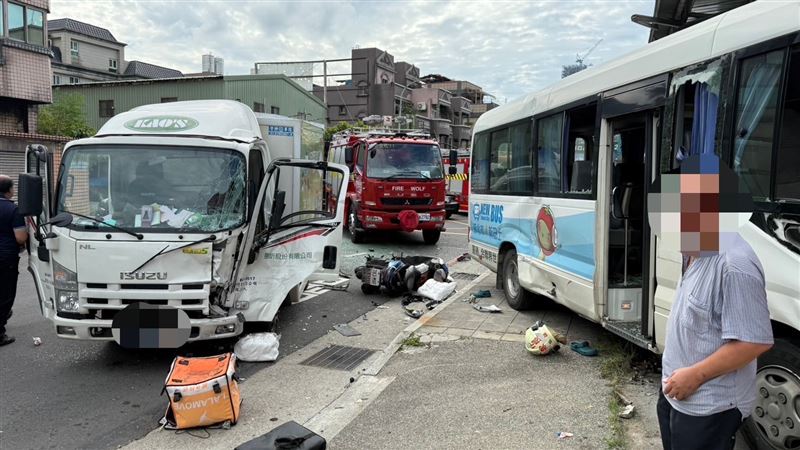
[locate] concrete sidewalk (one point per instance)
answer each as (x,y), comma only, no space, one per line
(475,386)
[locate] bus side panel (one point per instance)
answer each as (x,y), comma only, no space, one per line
(668,273)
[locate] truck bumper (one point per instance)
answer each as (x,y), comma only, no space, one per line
(100,330)
(383,220)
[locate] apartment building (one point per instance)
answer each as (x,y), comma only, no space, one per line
(85,53)
(381,86)
(24,80)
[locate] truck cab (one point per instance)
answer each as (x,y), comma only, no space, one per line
(457,181)
(397,183)
(178,208)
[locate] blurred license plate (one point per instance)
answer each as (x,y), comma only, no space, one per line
(374,277)
(424,217)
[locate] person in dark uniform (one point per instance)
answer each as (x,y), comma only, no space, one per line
(12,236)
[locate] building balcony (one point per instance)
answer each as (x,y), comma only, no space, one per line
(461,104)
(441,127)
(461,133)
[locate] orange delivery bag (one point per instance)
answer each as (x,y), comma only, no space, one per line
(202,392)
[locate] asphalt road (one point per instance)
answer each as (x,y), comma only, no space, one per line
(86,395)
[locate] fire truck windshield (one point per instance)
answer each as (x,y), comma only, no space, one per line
(405,160)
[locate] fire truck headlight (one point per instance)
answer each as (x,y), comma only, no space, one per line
(439,203)
(67,301)
(374,219)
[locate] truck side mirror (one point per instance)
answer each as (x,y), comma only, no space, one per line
(29,195)
(452,170)
(348,155)
(453,158)
(277,210)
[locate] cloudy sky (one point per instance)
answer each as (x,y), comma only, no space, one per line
(507,47)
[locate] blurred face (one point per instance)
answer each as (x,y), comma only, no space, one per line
(695,210)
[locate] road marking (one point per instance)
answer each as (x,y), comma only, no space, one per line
(459,234)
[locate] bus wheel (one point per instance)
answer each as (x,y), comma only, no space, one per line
(356,236)
(431,236)
(775,422)
(516,296)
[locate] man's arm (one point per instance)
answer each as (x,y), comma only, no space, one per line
(20,231)
(731,356)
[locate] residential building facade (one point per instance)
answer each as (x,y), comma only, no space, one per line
(381,86)
(275,94)
(85,53)
(24,79)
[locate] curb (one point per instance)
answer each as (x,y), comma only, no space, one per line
(387,353)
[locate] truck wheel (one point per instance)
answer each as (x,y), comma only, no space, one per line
(431,236)
(356,236)
(447,216)
(775,422)
(516,296)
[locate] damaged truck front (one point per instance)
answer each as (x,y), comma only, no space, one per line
(176,211)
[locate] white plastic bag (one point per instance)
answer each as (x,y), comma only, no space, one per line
(436,290)
(257,347)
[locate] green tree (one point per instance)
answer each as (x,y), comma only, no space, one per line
(65,118)
(342,126)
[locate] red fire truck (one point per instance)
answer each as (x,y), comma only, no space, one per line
(457,181)
(397,182)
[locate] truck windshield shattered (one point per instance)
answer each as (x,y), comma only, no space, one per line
(154,189)
(418,161)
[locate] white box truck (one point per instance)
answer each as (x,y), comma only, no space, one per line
(178,207)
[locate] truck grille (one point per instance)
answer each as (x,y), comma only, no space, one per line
(395,201)
(103,301)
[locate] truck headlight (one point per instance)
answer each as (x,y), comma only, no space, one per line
(442,203)
(65,282)
(67,301)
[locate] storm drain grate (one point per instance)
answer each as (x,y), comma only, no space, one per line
(463,276)
(338,357)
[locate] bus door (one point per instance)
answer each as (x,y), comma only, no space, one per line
(629,265)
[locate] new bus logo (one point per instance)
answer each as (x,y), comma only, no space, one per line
(160,124)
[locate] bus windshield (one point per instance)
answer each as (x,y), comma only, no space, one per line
(154,188)
(406,160)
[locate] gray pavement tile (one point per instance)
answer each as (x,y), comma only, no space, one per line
(513,337)
(436,321)
(497,322)
(487,335)
(427,329)
(459,332)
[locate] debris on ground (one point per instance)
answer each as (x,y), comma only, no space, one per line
(383,307)
(346,330)
(398,275)
(285,436)
(436,290)
(37,341)
(257,347)
(483,293)
(464,257)
(627,412)
(561,435)
(488,308)
(622,398)
(541,340)
(471,299)
(583,348)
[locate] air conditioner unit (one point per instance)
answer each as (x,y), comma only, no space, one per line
(421,106)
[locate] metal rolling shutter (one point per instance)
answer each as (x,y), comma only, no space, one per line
(12,164)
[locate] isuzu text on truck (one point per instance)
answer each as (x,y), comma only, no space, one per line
(397,182)
(177,207)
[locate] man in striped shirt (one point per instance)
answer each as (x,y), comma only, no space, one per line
(719,323)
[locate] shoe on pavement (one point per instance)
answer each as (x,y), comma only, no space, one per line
(6,339)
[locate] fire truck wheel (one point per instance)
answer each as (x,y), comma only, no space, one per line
(431,236)
(447,216)
(356,236)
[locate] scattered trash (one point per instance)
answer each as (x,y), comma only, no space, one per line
(258,347)
(489,308)
(507,410)
(433,304)
(436,290)
(627,412)
(288,435)
(561,435)
(346,330)
(471,299)
(226,425)
(37,341)
(464,257)
(273,419)
(414,313)
(622,398)
(399,274)
(352,380)
(484,293)
(583,348)
(541,340)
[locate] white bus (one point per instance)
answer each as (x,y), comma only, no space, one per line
(559,184)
